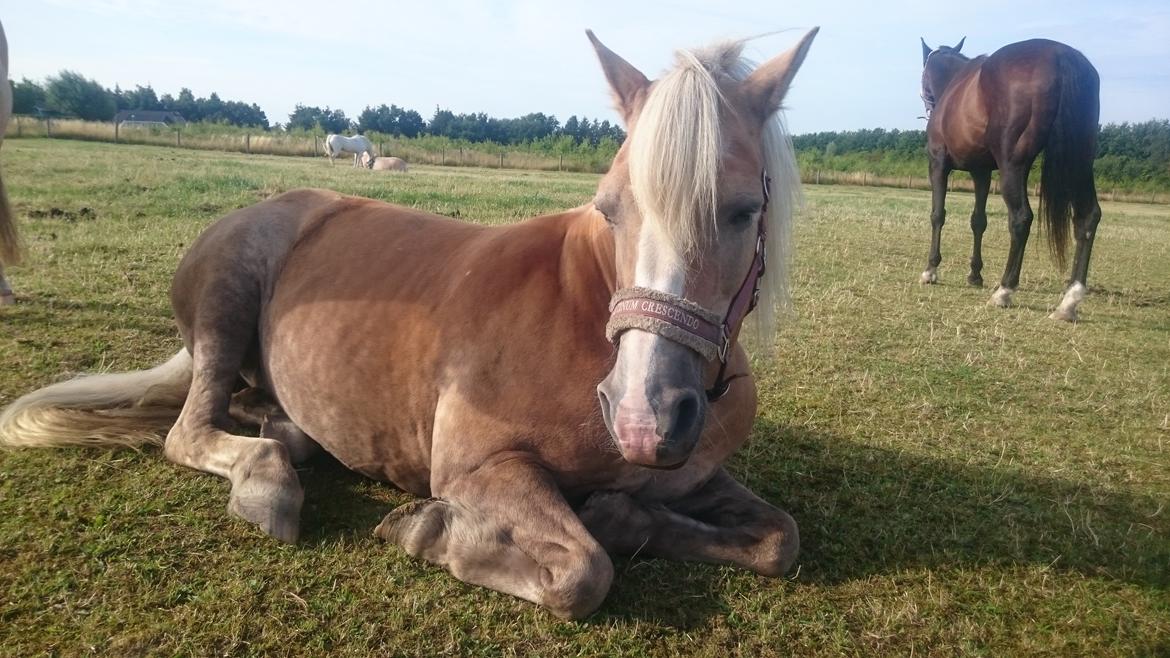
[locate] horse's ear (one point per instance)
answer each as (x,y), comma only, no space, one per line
(627,83)
(960,46)
(766,87)
(926,50)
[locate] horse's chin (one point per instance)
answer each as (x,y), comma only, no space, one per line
(659,465)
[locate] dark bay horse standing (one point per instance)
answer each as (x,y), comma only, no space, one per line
(476,366)
(9,244)
(1000,112)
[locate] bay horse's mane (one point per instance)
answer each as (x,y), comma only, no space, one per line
(674,161)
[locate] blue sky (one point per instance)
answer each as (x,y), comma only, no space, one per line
(511,58)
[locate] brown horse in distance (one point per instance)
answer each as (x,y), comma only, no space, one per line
(476,366)
(1000,112)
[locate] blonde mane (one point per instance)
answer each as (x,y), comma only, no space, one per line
(675,155)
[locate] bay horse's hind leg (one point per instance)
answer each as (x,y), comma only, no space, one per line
(506,526)
(939,172)
(1088,215)
(721,522)
(1014,178)
(982,181)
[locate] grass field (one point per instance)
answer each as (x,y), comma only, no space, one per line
(968,480)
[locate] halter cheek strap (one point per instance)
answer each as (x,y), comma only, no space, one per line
(687,323)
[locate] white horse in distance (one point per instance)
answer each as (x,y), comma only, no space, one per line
(336,145)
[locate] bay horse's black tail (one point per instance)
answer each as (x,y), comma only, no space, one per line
(1066,177)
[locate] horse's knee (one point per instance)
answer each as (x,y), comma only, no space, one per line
(938,217)
(1021,223)
(777,550)
(577,586)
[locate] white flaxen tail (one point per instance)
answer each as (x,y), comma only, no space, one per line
(128,409)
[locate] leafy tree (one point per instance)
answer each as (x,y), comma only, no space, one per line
(391,120)
(27,96)
(306,117)
(74,94)
(139,98)
(185,104)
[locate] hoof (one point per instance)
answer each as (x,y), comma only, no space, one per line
(7,299)
(267,493)
(1067,311)
(1001,298)
(415,526)
(279,520)
(928,277)
(975,280)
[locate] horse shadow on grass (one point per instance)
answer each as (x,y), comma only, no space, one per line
(862,511)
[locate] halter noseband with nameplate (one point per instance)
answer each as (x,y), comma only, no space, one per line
(687,323)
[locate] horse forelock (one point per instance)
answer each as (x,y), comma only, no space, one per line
(675,153)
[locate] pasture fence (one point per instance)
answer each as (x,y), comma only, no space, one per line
(415,151)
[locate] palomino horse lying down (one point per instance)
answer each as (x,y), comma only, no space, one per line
(384,163)
(476,366)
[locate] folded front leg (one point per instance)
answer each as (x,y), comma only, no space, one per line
(507,527)
(721,522)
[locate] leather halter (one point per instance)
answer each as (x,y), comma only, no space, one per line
(689,324)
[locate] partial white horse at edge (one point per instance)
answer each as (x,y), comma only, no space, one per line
(9,241)
(336,145)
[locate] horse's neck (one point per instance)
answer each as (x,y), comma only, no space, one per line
(587,267)
(944,74)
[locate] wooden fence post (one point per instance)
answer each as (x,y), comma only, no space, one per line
(248,143)
(48,127)
(501,159)
(18,126)
(314,146)
(179,139)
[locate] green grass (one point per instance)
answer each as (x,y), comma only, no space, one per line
(968,480)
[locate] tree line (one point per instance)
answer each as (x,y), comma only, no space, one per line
(1127,153)
(72,94)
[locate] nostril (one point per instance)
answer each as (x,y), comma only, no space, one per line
(683,417)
